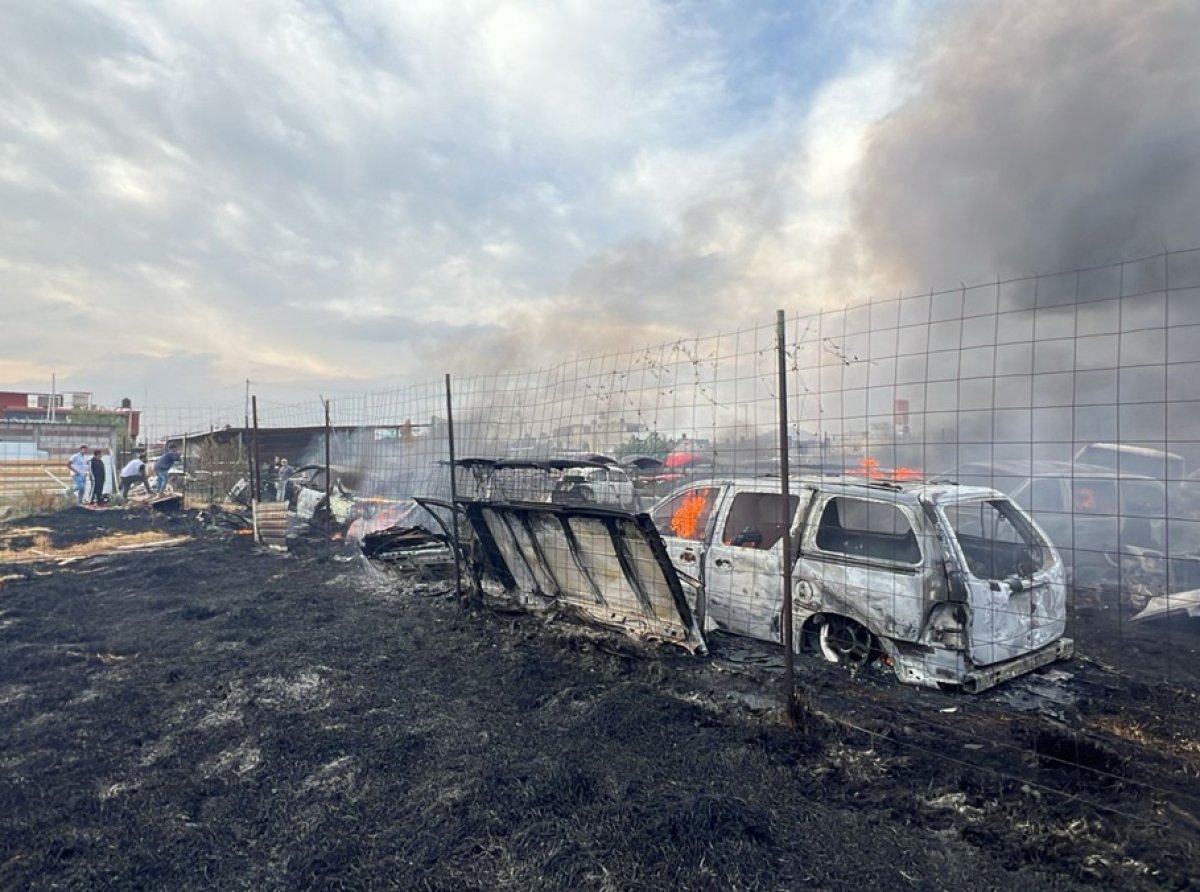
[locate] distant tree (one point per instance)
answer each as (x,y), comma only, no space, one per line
(653,444)
(104,418)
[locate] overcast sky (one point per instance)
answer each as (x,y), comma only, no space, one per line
(339,195)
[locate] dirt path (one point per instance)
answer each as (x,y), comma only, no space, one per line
(210,715)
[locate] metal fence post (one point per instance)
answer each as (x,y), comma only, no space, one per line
(328,478)
(453,491)
(255,470)
(789,681)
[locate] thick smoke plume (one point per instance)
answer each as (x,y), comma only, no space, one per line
(1038,136)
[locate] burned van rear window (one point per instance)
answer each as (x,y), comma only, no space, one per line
(997,540)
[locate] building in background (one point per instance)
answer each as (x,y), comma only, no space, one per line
(51,426)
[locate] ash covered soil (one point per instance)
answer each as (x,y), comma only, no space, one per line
(214,715)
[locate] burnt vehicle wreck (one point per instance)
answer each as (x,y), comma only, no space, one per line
(951,586)
(305,493)
(410,551)
(580,480)
(1125,537)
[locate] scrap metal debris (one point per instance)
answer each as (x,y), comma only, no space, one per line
(410,550)
(606,567)
(110,659)
(1047,693)
(218,517)
(1170,605)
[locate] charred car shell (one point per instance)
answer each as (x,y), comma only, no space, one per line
(954,586)
(951,585)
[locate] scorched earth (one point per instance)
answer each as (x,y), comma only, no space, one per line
(206,714)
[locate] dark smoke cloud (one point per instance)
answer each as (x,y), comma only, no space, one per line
(1038,136)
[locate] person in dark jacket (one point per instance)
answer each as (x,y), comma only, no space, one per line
(165,462)
(97,463)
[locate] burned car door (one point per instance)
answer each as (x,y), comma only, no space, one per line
(743,578)
(1014,580)
(864,559)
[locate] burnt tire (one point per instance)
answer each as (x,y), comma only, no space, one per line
(846,642)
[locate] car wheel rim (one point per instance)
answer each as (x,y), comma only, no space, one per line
(846,642)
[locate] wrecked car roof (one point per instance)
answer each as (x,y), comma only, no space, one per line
(530,464)
(644,462)
(1042,468)
(904,491)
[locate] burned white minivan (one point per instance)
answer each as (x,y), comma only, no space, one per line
(951,585)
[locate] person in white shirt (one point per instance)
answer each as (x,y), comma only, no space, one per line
(134,472)
(78,466)
(281,484)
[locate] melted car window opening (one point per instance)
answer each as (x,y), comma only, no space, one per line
(867,529)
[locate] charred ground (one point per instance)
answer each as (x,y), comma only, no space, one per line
(213,715)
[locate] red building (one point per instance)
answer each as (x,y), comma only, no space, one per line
(20,405)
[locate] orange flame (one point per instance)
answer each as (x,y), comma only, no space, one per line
(869,468)
(687,520)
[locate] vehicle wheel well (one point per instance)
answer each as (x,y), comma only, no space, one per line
(810,636)
(811,630)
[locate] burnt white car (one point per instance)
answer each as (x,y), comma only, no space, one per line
(609,485)
(953,585)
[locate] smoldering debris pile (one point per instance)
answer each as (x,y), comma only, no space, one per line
(410,551)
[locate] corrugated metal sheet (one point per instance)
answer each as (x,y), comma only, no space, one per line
(271,523)
(608,567)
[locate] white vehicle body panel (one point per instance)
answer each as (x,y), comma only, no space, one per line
(935,630)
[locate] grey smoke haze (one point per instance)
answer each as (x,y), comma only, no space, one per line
(1038,136)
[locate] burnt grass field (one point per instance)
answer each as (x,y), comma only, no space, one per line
(213,715)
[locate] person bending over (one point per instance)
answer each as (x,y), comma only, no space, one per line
(165,462)
(134,472)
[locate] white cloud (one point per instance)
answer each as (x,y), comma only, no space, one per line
(310,193)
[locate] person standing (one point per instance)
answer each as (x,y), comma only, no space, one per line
(134,472)
(110,475)
(281,483)
(98,477)
(78,466)
(165,462)
(270,485)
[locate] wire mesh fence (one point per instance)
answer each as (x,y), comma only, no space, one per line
(1074,394)
(939,444)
